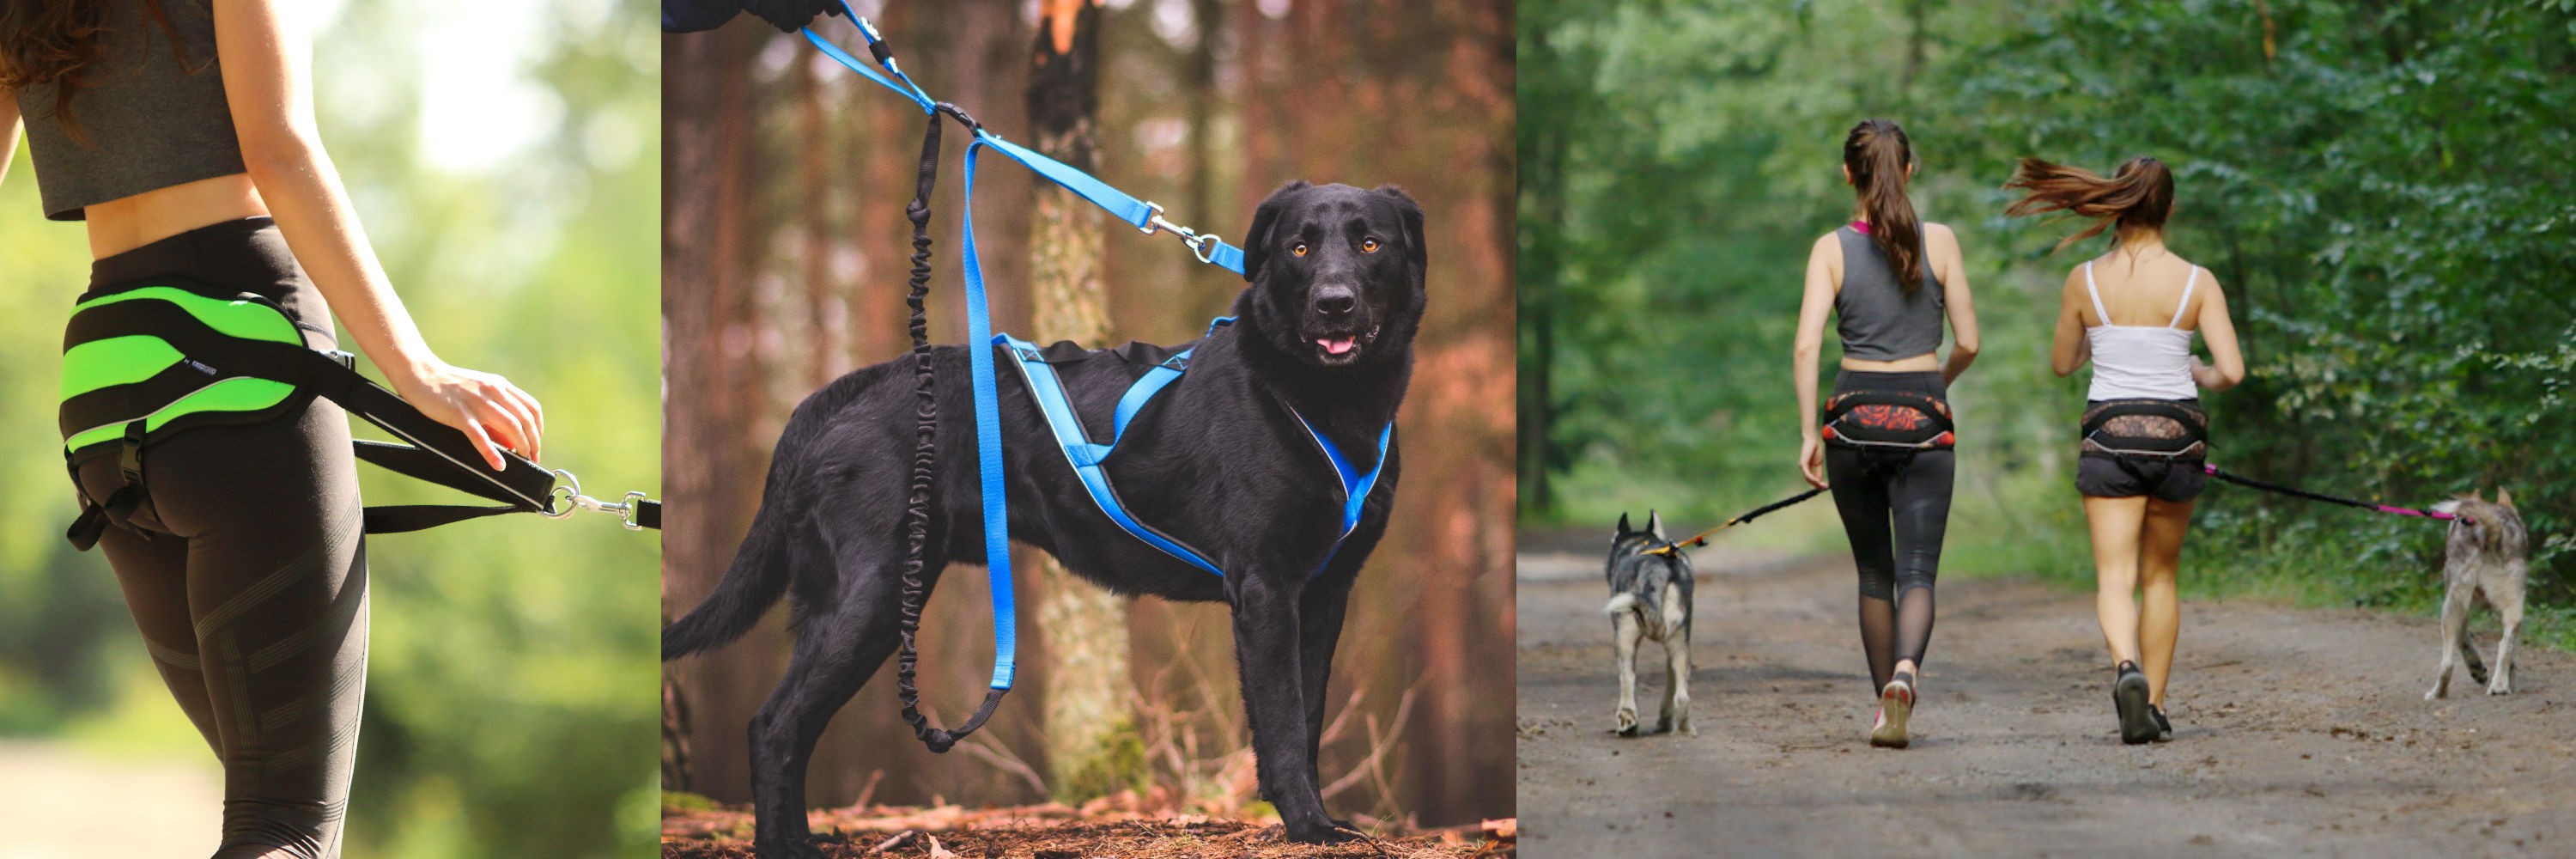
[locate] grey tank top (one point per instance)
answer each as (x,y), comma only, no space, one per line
(151,119)
(1877,320)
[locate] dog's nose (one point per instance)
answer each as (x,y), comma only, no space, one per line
(1335,302)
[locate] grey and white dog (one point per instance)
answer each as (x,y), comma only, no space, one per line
(2485,560)
(1650,597)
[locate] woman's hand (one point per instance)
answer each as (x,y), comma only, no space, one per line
(1811,460)
(487,408)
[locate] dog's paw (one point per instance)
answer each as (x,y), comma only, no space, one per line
(1325,833)
(800,848)
(1624,722)
(2436,693)
(2478,674)
(2502,686)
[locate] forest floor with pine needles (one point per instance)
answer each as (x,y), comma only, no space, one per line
(1059,831)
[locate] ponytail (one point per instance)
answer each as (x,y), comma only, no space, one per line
(2139,194)
(1879,157)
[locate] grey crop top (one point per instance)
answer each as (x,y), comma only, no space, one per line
(1877,320)
(151,119)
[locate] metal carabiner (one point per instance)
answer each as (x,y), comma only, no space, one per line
(1201,244)
(566,499)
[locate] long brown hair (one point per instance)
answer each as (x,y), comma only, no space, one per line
(57,42)
(2139,194)
(1879,156)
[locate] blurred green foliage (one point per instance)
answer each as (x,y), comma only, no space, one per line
(512,683)
(2381,186)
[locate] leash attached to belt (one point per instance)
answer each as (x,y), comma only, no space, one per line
(2215,471)
(1701,538)
(152,359)
(1144,216)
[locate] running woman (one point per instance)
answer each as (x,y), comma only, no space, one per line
(1885,440)
(181,132)
(2132,312)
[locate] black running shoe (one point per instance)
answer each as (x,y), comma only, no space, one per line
(2129,694)
(2164,727)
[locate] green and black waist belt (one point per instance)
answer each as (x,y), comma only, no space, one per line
(147,361)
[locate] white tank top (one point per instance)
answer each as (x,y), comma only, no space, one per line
(2140,362)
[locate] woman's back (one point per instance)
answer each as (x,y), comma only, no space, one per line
(1877,317)
(2139,327)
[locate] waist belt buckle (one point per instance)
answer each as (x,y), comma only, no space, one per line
(129,456)
(346,360)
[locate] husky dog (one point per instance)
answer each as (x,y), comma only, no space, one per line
(2485,560)
(1650,597)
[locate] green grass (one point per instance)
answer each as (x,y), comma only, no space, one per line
(143,722)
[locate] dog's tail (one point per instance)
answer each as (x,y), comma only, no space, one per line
(755,580)
(1620,603)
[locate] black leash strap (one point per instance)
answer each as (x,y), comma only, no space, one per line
(2294,492)
(1701,538)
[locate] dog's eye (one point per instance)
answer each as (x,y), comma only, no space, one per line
(1369,244)
(1298,249)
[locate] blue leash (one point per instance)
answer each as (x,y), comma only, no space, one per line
(1145,216)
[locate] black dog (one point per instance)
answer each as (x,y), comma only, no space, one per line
(1218,460)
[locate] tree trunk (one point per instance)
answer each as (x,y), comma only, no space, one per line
(705,252)
(1093,748)
(1542,182)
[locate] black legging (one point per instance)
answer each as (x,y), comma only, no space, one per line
(1895,505)
(251,589)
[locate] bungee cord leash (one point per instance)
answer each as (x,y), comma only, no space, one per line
(1701,538)
(2251,483)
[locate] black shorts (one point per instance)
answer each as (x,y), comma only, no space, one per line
(2102,475)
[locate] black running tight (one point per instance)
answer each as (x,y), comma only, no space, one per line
(1895,506)
(250,585)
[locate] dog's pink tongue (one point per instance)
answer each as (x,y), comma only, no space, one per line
(1336,345)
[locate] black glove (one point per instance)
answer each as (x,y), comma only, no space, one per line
(690,16)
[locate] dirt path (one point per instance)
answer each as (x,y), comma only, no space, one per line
(2299,732)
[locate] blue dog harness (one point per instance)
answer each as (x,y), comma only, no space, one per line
(1088,459)
(1048,390)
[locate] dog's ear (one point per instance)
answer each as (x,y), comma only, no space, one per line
(2504,496)
(1256,241)
(2478,495)
(1623,524)
(1415,249)
(1655,524)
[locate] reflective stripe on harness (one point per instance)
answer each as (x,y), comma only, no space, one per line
(145,362)
(1088,459)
